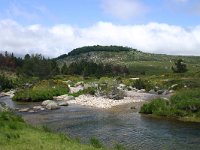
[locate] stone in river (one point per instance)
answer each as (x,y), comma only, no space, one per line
(52,106)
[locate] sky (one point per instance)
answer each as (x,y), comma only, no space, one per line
(55,27)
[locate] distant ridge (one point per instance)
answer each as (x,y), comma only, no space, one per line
(137,61)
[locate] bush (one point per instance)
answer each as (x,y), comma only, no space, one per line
(5,83)
(156,106)
(185,103)
(142,84)
(96,143)
(42,91)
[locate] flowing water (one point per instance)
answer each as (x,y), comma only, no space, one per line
(126,127)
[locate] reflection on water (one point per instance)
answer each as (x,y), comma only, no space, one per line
(129,128)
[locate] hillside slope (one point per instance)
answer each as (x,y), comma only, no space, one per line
(138,62)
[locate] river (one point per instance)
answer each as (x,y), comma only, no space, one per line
(123,126)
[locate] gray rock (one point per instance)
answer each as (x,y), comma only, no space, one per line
(44,103)
(10,93)
(31,111)
(67,98)
(42,109)
(165,92)
(160,92)
(152,92)
(141,91)
(52,106)
(174,86)
(24,110)
(81,83)
(37,108)
(64,103)
(86,86)
(122,86)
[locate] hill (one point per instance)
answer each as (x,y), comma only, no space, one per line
(138,62)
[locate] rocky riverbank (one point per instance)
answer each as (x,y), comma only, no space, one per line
(105,103)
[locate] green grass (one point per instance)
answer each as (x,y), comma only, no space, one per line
(42,91)
(15,134)
(184,105)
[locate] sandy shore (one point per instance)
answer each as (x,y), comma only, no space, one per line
(105,103)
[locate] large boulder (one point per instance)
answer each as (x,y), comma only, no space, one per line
(52,106)
(45,103)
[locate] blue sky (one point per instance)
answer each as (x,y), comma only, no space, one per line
(141,24)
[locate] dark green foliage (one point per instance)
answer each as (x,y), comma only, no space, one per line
(187,100)
(157,106)
(42,91)
(142,84)
(9,61)
(86,69)
(64,69)
(87,49)
(185,103)
(180,66)
(96,143)
(38,66)
(5,83)
(139,84)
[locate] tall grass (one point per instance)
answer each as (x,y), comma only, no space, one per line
(15,134)
(184,104)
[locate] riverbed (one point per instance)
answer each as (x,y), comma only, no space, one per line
(119,125)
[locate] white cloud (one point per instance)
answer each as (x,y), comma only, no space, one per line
(124,9)
(60,39)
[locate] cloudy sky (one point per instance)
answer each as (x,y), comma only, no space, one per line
(55,27)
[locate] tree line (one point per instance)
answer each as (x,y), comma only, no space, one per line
(9,62)
(30,66)
(96,48)
(38,66)
(87,68)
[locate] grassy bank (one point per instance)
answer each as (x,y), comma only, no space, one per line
(184,105)
(15,134)
(43,90)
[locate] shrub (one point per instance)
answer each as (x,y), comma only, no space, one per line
(185,103)
(156,106)
(142,84)
(5,83)
(96,143)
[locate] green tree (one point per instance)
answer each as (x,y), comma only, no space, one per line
(180,66)
(64,69)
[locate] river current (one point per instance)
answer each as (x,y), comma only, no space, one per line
(125,127)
